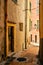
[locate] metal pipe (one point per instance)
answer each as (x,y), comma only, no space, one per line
(5,17)
(26,24)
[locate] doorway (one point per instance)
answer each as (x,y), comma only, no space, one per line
(10,38)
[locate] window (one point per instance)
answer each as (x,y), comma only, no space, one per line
(37,24)
(37,3)
(37,10)
(30,24)
(15,1)
(21,26)
(31,37)
(35,38)
(30,6)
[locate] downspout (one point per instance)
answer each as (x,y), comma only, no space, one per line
(5,18)
(26,24)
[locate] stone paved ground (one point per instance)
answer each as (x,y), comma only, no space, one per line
(29,54)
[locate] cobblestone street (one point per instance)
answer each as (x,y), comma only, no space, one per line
(29,54)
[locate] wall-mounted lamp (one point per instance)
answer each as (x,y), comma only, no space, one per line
(35,25)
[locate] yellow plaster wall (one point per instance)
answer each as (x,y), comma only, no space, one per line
(16,14)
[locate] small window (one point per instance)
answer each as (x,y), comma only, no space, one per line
(37,3)
(15,1)
(37,11)
(35,38)
(31,37)
(21,26)
(37,24)
(30,24)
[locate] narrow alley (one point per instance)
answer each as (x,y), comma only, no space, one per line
(30,55)
(21,32)
(27,57)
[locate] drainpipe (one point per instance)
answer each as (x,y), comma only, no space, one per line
(26,2)
(5,18)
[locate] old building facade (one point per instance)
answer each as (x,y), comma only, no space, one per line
(34,22)
(14,26)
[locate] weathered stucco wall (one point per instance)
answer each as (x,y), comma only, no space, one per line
(16,14)
(1,27)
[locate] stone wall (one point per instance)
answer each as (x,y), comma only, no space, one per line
(2,27)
